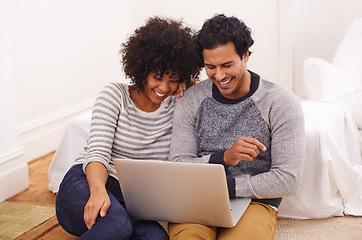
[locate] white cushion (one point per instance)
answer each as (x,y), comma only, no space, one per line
(323,81)
(348,57)
(354,102)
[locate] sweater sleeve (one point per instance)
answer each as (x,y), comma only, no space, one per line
(287,145)
(105,114)
(184,147)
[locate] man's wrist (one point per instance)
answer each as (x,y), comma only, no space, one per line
(218,158)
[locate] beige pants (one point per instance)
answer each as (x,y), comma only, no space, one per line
(258,222)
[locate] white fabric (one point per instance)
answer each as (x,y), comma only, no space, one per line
(332,177)
(71,145)
(354,102)
(323,81)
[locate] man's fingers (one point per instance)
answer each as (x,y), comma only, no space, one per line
(244,148)
(254,142)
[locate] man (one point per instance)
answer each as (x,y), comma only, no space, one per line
(253,127)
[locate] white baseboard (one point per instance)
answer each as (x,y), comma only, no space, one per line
(14,177)
(42,136)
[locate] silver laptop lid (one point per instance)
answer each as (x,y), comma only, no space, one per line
(176,192)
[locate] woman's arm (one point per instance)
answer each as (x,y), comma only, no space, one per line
(99,201)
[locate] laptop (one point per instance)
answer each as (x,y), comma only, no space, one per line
(178,192)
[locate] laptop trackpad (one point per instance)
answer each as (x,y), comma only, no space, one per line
(238,207)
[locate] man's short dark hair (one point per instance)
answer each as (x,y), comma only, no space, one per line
(220,30)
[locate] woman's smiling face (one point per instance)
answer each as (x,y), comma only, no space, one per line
(159,88)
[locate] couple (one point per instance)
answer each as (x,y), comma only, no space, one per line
(253,127)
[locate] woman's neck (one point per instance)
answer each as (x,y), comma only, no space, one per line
(141,101)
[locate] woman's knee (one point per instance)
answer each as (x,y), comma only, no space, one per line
(69,212)
(72,196)
(75,181)
(114,227)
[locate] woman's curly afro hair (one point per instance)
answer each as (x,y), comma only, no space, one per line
(162,46)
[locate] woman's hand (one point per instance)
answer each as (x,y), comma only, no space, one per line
(180,91)
(183,86)
(98,204)
(99,201)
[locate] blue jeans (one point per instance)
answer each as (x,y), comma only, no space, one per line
(72,197)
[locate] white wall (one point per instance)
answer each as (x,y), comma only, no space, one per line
(318,28)
(63,53)
(13,168)
(55,58)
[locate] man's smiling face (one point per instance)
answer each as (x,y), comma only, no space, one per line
(227,70)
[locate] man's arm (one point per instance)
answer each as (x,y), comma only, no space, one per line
(287,146)
(184,147)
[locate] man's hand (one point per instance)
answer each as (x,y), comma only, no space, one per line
(244,148)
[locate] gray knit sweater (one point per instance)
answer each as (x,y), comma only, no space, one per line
(206,124)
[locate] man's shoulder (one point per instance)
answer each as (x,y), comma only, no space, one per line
(275,97)
(202,85)
(194,96)
(199,90)
(275,91)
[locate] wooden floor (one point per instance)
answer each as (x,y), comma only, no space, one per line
(38,194)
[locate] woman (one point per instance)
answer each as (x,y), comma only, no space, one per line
(132,122)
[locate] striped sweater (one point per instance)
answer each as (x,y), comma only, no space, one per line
(120,130)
